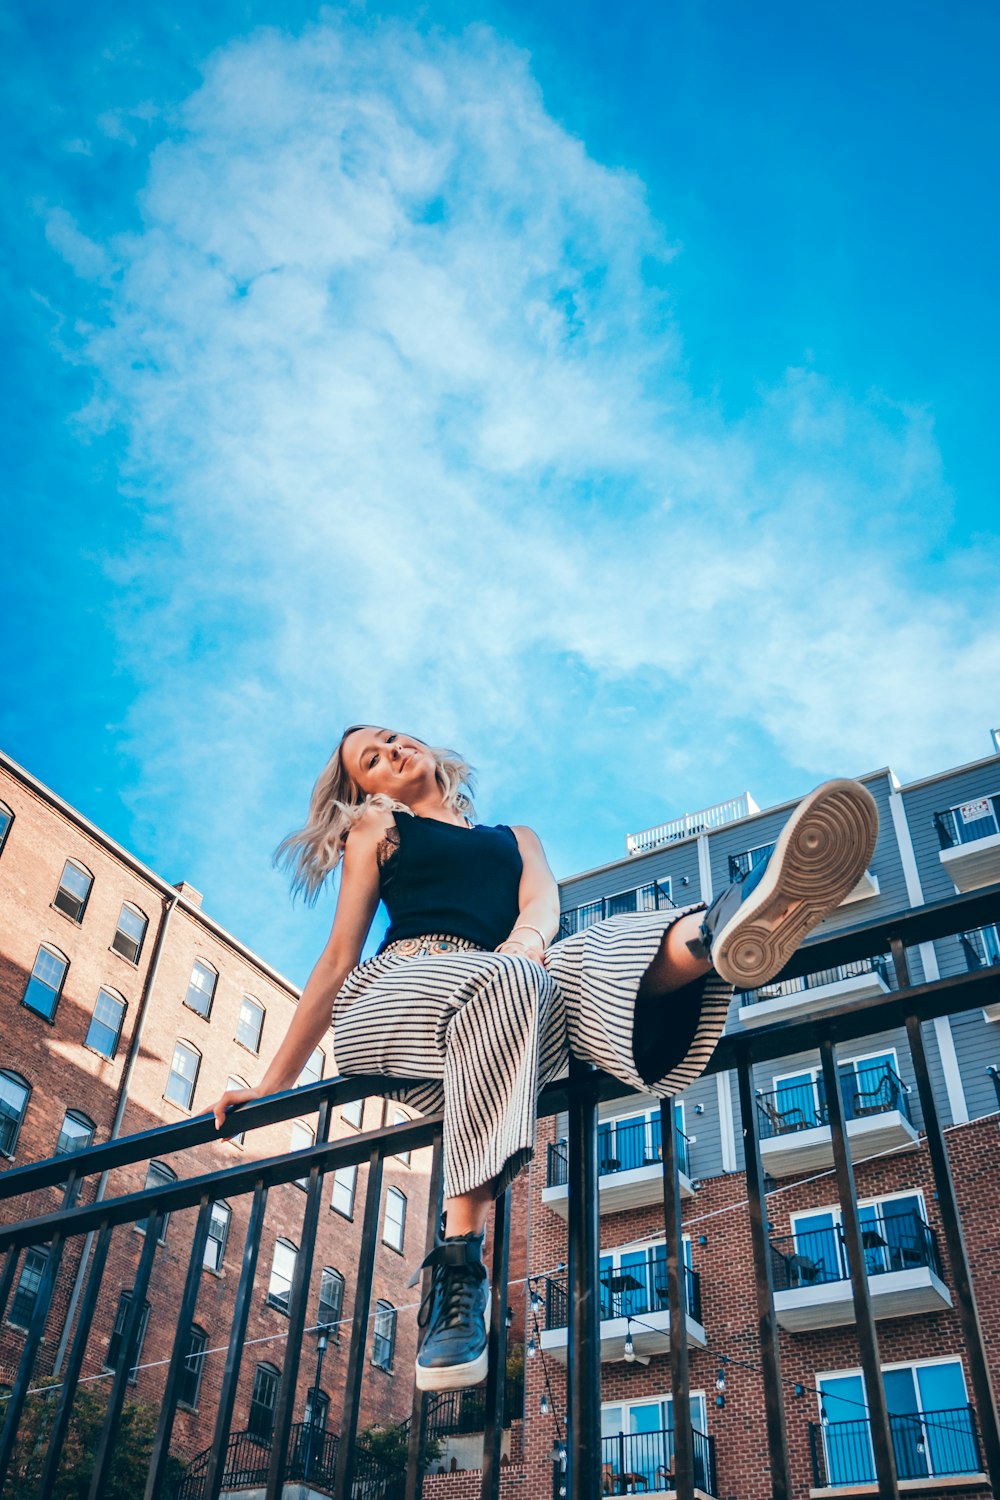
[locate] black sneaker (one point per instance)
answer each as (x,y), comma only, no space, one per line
(752,929)
(456,1313)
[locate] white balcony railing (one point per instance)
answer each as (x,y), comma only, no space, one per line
(690,823)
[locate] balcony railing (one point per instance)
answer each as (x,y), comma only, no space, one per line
(925,1445)
(311,1459)
(460,1413)
(642,1462)
(626,1292)
(967,821)
(654,896)
(981,947)
(803,1106)
(878,964)
(893,1242)
(69,1224)
(688,824)
(632,1145)
(740,865)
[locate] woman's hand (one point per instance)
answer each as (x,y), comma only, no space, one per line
(523,950)
(232,1096)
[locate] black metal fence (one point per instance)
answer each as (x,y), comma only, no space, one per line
(625,1292)
(892,1242)
(585,1296)
(635,1463)
(925,1445)
(620,1148)
(804,1105)
(462,1413)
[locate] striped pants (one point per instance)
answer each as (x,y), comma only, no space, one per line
(487,1030)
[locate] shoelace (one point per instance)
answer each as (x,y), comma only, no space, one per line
(453,1281)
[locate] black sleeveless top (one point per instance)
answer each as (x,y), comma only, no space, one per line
(443,878)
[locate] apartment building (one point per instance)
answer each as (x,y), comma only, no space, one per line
(124,1007)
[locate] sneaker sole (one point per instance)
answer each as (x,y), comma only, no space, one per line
(821,854)
(455,1377)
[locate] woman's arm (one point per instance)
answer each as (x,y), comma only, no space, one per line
(356,906)
(537,899)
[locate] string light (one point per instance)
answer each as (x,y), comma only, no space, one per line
(629,1346)
(530,1351)
(543,1405)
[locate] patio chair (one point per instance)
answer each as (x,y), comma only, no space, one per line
(875,1101)
(784,1121)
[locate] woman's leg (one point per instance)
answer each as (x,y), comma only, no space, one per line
(467,1213)
(675,965)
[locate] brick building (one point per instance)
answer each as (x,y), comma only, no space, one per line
(125,1007)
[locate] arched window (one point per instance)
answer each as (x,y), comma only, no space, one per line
(201,988)
(73,890)
(183,1074)
(218,1234)
(76,1133)
(114,1347)
(313,1070)
(317,1409)
(345,1182)
(279,1288)
(250,1024)
(303,1135)
(331,1301)
(265,1390)
(384,1336)
(237,1083)
(46,982)
(6,819)
(194,1361)
(28,1283)
(394,1223)
(157,1173)
(400,1117)
(14,1095)
(105,1029)
(354,1112)
(130,932)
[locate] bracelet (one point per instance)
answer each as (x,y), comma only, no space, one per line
(527,927)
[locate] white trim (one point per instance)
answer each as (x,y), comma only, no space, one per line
(727,1128)
(907,857)
(704,867)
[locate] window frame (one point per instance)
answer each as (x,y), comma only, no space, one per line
(239,1136)
(384,1309)
(41,1252)
(186,1370)
(21,1082)
(130,906)
(276,1300)
(302,1126)
(124,1303)
(302,1081)
(264,1432)
(252,1000)
(214,1239)
(358,1104)
(81,868)
(354,1191)
(5,829)
(94,1021)
(166,1174)
(57,992)
(189,1106)
(207,968)
(78,1116)
(331,1326)
(400,1117)
(394,1193)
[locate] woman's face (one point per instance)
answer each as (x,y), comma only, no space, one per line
(382,760)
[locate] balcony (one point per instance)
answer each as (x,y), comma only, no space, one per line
(981,948)
(631,1177)
(740,866)
(794,1131)
(816,992)
(655,896)
(689,824)
(633,1302)
(930,1445)
(812,1287)
(311,1460)
(969,834)
(635,1463)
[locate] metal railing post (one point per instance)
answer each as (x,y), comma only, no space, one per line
(418,1413)
(346,1454)
(678,1303)
(496,1374)
(583,1416)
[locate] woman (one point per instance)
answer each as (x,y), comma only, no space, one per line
(469,992)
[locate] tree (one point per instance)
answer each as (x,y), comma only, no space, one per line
(388,1443)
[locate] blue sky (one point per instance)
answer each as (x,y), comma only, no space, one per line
(604,391)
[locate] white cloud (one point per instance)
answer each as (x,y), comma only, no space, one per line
(411,426)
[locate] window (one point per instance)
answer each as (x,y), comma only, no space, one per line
(345,1181)
(317,1409)
(237,1083)
(73,890)
(894,1233)
(930,1421)
(76,1134)
(14,1096)
(394,1224)
(6,819)
(313,1070)
(129,933)
(279,1288)
(384,1336)
(302,1137)
(114,1347)
(194,1361)
(637,1442)
(400,1117)
(265,1391)
(251,1023)
(28,1284)
(353,1113)
(46,982)
(331,1301)
(105,1026)
(218,1234)
(201,988)
(183,1074)
(157,1173)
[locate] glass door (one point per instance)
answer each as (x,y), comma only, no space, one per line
(948,1432)
(847,1442)
(817,1250)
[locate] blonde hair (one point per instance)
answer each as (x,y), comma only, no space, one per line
(337,803)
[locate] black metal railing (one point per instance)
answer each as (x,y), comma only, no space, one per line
(654,896)
(635,1463)
(91,1224)
(620,1148)
(626,1291)
(741,864)
(803,1106)
(891,1242)
(311,1459)
(967,822)
(462,1413)
(981,947)
(879,964)
(925,1445)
